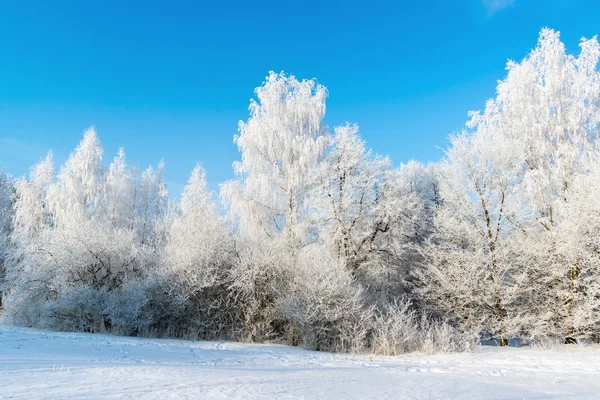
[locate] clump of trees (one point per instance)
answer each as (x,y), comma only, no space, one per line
(320,242)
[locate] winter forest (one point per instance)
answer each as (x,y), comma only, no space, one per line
(321,243)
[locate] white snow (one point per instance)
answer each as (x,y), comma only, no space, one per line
(42,364)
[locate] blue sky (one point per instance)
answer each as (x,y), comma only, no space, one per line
(171,79)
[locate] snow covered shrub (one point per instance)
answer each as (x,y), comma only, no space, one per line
(79,308)
(88,309)
(400,328)
(438,335)
(23,310)
(80,266)
(395,329)
(126,308)
(178,309)
(327,303)
(258,278)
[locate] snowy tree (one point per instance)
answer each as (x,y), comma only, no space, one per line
(196,262)
(118,192)
(282,141)
(548,108)
(151,200)
(502,185)
(366,211)
(35,200)
(6,213)
(563,263)
(349,196)
(465,271)
(32,217)
(549,104)
(72,254)
(197,243)
(81,182)
(578,243)
(326,303)
(281,144)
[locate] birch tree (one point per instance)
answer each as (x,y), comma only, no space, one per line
(349,195)
(367,211)
(281,144)
(548,106)
(466,272)
(282,141)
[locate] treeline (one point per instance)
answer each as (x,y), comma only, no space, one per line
(321,243)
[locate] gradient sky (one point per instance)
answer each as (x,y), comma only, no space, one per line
(171,79)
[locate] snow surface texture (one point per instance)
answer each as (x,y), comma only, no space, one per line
(40,364)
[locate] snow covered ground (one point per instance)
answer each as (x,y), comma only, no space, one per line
(41,364)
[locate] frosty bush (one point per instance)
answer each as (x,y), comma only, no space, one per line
(395,329)
(400,328)
(326,303)
(126,309)
(259,277)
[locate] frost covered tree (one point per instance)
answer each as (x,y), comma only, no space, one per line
(197,240)
(349,195)
(366,211)
(194,272)
(281,143)
(81,179)
(507,178)
(24,292)
(326,304)
(548,106)
(466,273)
(577,239)
(563,264)
(6,213)
(118,192)
(72,259)
(151,200)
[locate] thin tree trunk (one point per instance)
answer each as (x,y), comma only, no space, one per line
(570,331)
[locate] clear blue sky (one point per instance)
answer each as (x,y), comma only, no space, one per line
(169,79)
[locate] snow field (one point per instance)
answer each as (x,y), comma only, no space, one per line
(36,364)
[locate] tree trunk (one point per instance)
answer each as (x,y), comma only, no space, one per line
(570,331)
(499,311)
